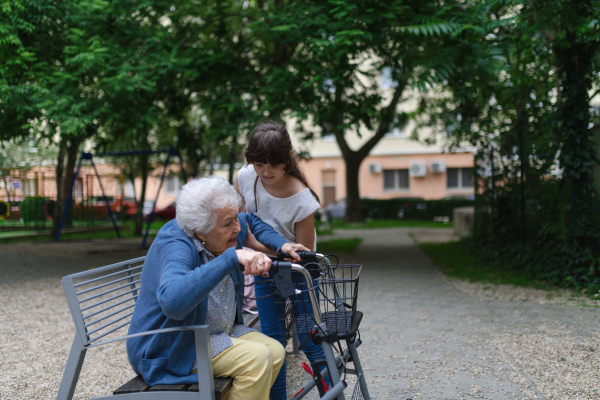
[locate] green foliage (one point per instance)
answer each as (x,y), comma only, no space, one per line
(33,209)
(336,246)
(410,208)
(459,260)
(385,223)
(512,78)
(521,96)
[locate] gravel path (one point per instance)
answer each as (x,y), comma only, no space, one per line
(425,337)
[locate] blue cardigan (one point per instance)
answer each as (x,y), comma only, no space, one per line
(174,292)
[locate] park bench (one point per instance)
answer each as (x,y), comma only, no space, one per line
(101,301)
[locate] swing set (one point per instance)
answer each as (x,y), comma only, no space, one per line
(89,157)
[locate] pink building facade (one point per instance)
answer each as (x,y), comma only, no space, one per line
(398,166)
(426,175)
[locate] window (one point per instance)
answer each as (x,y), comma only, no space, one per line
(128,189)
(328,178)
(459,178)
(171,185)
(29,187)
(395,179)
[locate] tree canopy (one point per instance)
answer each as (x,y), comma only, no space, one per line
(514,78)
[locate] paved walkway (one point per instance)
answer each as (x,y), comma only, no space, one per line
(423,339)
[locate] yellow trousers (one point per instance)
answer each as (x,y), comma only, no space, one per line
(253,362)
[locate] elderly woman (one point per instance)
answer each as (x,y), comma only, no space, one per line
(188,278)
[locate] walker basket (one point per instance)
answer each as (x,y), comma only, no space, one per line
(336,296)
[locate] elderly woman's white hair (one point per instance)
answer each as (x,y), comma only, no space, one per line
(198,201)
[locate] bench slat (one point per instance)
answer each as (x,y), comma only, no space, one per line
(222,387)
(168,388)
(135,385)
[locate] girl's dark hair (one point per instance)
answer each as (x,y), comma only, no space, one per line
(270,143)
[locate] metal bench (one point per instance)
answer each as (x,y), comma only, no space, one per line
(101,301)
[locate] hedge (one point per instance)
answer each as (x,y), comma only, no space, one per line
(411,208)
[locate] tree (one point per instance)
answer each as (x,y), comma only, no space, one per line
(322,61)
(577,60)
(32,78)
(529,115)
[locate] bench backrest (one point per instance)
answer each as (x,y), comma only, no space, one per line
(102,300)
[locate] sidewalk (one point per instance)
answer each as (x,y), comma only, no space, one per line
(422,338)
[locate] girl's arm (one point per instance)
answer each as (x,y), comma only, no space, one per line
(237,189)
(252,243)
(305,231)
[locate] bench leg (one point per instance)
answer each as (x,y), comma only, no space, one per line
(206,383)
(72,370)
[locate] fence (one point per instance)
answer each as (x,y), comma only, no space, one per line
(28,200)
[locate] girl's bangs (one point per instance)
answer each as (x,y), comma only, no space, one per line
(267,152)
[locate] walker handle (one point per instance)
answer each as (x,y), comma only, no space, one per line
(304,255)
(275,265)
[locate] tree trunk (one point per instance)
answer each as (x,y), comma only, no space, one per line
(232,158)
(353,208)
(139,215)
(60,198)
(69,150)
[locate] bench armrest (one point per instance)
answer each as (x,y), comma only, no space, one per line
(196,328)
(206,383)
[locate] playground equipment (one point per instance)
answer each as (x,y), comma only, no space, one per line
(89,157)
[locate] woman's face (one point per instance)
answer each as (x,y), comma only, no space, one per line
(224,234)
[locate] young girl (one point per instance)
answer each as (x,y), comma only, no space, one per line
(274,188)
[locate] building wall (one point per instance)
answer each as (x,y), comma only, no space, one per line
(326,172)
(371,179)
(41,181)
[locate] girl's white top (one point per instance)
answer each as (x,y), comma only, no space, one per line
(281,213)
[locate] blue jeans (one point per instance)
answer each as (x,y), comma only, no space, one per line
(271,326)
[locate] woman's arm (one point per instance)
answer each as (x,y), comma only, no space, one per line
(184,285)
(305,231)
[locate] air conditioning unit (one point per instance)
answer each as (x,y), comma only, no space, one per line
(437,167)
(418,169)
(375,168)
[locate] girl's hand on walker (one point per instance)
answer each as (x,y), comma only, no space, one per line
(292,248)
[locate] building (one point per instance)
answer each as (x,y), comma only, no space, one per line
(398,166)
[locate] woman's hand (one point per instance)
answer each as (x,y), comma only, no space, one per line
(292,248)
(254,262)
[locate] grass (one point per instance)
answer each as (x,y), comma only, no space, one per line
(349,245)
(329,227)
(454,260)
(105,231)
(334,246)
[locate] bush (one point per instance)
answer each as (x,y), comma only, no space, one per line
(412,208)
(397,208)
(32,209)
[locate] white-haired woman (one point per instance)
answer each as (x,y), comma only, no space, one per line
(188,278)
